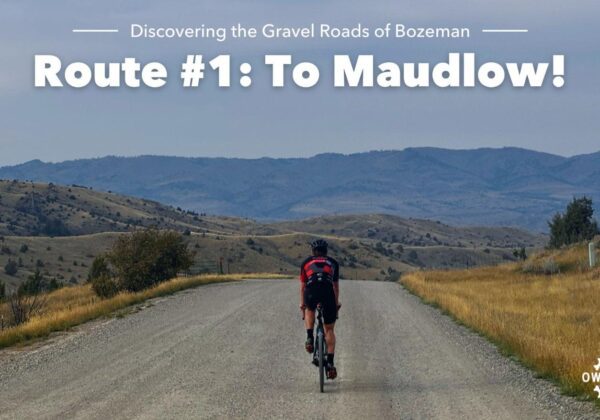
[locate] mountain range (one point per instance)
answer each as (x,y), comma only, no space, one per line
(492,187)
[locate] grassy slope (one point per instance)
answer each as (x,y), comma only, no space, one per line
(550,322)
(85,211)
(68,258)
(71,306)
(374,247)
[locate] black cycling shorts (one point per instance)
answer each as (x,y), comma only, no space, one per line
(323,294)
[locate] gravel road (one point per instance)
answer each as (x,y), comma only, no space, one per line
(236,350)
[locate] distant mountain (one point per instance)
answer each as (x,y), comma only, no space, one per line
(509,186)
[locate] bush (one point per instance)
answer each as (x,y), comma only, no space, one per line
(99,268)
(11,268)
(550,267)
(575,225)
(105,286)
(53,284)
(34,284)
(145,258)
(23,307)
(520,254)
(2,290)
(24,248)
(547,267)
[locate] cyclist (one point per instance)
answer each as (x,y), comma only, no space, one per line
(319,283)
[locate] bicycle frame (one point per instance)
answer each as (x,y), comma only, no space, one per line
(320,350)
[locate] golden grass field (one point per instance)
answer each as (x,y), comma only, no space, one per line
(550,322)
(71,306)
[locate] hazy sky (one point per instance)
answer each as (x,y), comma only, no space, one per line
(55,125)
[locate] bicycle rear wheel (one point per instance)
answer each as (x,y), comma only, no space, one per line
(321,347)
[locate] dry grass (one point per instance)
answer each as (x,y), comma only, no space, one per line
(72,306)
(550,322)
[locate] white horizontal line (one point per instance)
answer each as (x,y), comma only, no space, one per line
(506,30)
(95,30)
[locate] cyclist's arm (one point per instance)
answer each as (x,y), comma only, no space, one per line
(336,283)
(302,286)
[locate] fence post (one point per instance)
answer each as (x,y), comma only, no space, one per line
(592,251)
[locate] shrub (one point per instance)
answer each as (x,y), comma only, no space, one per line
(24,248)
(99,268)
(147,257)
(34,284)
(105,286)
(53,284)
(23,307)
(11,267)
(550,267)
(52,227)
(547,267)
(2,290)
(520,254)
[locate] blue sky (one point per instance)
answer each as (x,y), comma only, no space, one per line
(56,125)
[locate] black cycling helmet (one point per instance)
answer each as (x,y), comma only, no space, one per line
(319,244)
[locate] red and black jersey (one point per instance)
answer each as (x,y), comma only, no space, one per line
(319,268)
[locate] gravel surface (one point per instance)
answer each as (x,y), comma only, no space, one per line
(236,350)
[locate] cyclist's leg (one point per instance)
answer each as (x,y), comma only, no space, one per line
(330,337)
(329,317)
(311,305)
(309,320)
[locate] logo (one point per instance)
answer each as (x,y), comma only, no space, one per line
(593,377)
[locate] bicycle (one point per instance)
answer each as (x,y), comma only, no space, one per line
(320,348)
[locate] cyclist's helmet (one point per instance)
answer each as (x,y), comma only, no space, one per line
(319,245)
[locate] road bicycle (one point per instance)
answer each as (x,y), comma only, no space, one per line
(320,348)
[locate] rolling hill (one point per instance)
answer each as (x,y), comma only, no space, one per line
(35,209)
(492,187)
(60,229)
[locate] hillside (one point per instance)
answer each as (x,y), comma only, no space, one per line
(492,187)
(60,230)
(413,232)
(35,209)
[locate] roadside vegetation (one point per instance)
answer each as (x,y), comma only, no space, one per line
(543,310)
(140,260)
(140,266)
